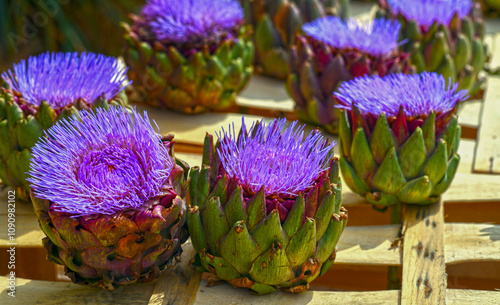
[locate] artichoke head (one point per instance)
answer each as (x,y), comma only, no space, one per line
(390,160)
(247,240)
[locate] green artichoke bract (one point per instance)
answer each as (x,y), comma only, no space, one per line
(332,51)
(185,62)
(43,90)
(444,37)
(399,137)
(264,210)
(108,192)
(276,22)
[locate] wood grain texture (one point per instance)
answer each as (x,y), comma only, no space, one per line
(424,270)
(179,284)
(30,292)
(471,242)
(495,56)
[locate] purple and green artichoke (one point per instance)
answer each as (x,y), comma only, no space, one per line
(443,36)
(108,192)
(265,209)
(43,89)
(189,56)
(399,137)
(332,51)
(275,23)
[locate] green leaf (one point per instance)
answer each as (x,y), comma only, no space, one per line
(235,207)
(413,155)
(389,177)
(449,135)
(345,135)
(327,243)
(437,164)
(448,178)
(28,132)
(324,214)
(429,132)
(8,143)
(14,115)
(382,139)
(45,115)
(203,186)
(303,245)
(269,231)
(272,267)
(256,209)
(195,228)
(296,216)
(239,248)
(214,223)
(220,190)
(219,266)
(416,191)
(352,179)
(362,158)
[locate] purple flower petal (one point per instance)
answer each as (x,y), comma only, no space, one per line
(378,37)
(278,158)
(63,78)
(419,94)
(103,162)
(426,12)
(181,21)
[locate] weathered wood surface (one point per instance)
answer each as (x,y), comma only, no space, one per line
(57,293)
(487,158)
(179,284)
(424,269)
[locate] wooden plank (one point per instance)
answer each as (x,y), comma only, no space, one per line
(471,242)
(471,297)
(495,55)
(468,117)
(424,269)
(266,93)
(42,292)
(178,285)
(226,294)
(487,158)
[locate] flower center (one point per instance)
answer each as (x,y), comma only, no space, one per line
(113,165)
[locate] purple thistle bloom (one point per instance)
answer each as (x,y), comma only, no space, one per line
(378,37)
(182,21)
(426,12)
(102,162)
(63,78)
(419,94)
(278,158)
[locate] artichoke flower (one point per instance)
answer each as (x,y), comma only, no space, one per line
(189,56)
(443,36)
(108,194)
(333,51)
(42,90)
(399,137)
(264,210)
(275,23)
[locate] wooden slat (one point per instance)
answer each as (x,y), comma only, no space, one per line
(178,285)
(468,117)
(424,269)
(495,58)
(472,242)
(487,158)
(43,292)
(471,297)
(266,93)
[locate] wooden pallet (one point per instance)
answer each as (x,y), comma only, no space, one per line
(450,251)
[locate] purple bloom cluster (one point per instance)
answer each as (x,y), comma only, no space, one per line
(378,37)
(182,21)
(100,163)
(63,78)
(426,12)
(419,94)
(278,158)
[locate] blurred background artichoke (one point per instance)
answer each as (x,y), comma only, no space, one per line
(29,27)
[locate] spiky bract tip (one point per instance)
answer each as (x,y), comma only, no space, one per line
(63,78)
(102,162)
(426,12)
(377,38)
(417,94)
(191,21)
(275,157)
